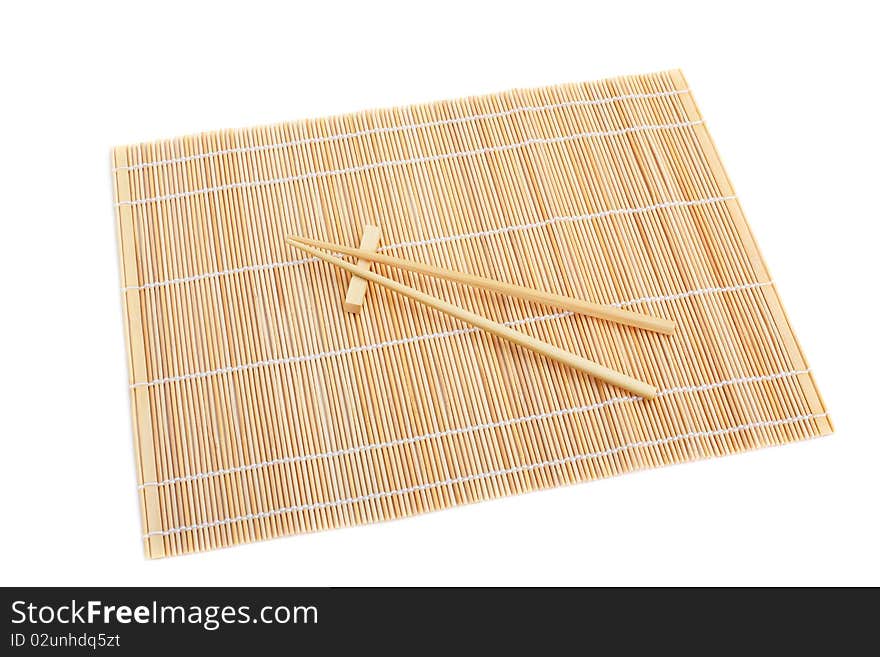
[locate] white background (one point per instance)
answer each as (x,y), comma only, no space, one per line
(790,95)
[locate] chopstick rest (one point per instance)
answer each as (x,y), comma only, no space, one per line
(553,352)
(357,286)
(599,311)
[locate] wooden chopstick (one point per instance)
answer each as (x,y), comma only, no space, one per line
(600,311)
(544,348)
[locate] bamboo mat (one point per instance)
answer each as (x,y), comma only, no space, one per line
(261,409)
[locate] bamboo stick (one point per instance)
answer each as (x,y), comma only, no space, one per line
(546,349)
(599,311)
(140,407)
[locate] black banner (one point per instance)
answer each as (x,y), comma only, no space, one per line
(412,621)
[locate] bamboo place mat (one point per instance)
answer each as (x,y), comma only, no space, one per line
(261,409)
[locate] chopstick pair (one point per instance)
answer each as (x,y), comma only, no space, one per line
(546,349)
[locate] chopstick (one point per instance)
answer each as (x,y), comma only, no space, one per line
(609,313)
(500,330)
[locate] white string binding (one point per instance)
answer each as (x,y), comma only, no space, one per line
(485,475)
(429,336)
(416,160)
(461,430)
(398,128)
(446,238)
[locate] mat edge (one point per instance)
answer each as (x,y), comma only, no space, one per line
(154,546)
(361,113)
(771,295)
(642,468)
